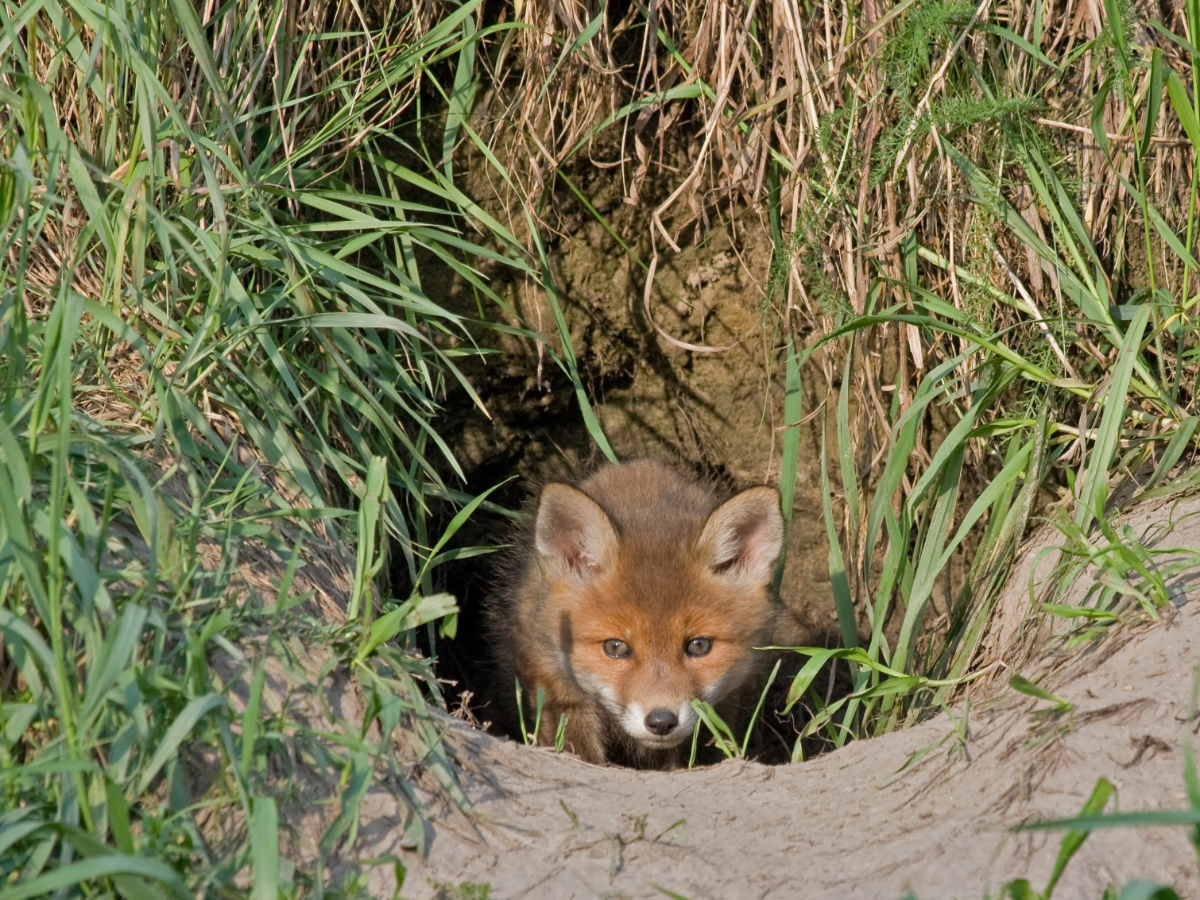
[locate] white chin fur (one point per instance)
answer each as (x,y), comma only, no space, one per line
(633,717)
(633,720)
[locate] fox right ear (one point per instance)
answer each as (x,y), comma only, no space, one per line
(574,536)
(744,536)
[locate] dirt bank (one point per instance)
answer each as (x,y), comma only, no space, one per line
(844,824)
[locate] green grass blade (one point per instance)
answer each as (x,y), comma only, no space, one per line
(1154,94)
(790,460)
(180,728)
(590,31)
(1179,442)
(842,600)
(264,849)
(1092,493)
(119,645)
(89,870)
(462,96)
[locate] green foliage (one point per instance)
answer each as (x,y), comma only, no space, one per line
(467,890)
(909,55)
(110,622)
(910,58)
(529,736)
(1091,817)
(1010,376)
(218,362)
(220,346)
(1020,889)
(1025,686)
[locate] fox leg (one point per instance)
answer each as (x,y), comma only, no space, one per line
(583,731)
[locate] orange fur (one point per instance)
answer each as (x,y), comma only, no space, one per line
(639,554)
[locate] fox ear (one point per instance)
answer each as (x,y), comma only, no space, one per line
(744,536)
(573,534)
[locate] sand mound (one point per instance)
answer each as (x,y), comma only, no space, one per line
(847,824)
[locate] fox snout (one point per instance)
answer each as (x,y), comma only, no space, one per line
(660,727)
(649,701)
(661,721)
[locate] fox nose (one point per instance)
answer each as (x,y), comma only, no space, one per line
(661,721)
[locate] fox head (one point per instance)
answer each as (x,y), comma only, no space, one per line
(658,600)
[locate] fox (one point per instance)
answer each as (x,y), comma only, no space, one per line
(636,591)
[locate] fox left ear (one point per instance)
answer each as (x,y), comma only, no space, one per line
(574,536)
(744,536)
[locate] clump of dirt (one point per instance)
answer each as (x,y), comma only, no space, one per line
(928,809)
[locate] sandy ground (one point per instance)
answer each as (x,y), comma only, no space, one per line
(855,823)
(548,825)
(844,825)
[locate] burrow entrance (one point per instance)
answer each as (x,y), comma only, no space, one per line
(715,415)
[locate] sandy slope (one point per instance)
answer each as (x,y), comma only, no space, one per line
(550,826)
(843,825)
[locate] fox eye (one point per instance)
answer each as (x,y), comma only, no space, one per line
(617,649)
(698,646)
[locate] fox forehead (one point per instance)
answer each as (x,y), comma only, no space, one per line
(660,608)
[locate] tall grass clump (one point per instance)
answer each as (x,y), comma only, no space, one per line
(219,364)
(1082,388)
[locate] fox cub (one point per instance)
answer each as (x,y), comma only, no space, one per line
(639,591)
